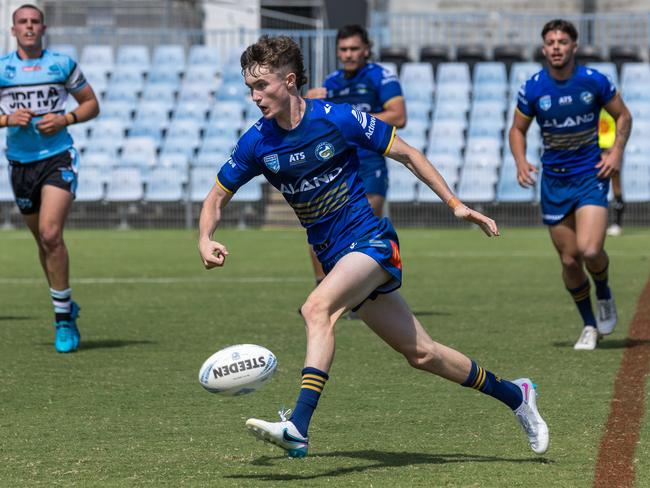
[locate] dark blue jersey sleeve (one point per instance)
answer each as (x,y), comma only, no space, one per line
(606,88)
(241,167)
(388,85)
(525,104)
(364,130)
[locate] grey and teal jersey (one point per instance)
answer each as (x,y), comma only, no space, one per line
(567,113)
(367,91)
(315,167)
(41,85)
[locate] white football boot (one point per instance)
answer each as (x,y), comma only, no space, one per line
(283,434)
(587,340)
(529,418)
(607,316)
(614,230)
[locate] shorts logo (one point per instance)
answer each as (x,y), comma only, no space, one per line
(587,97)
(545,102)
(67,176)
(324,151)
(272,162)
(24,203)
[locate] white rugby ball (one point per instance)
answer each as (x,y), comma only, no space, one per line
(237,370)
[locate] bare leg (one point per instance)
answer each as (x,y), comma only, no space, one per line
(565,240)
(377,203)
(591,223)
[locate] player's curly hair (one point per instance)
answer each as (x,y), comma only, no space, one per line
(279,52)
(563,26)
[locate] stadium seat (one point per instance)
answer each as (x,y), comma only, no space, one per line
(123,92)
(634,74)
(415,134)
(196,92)
(99,159)
(414,93)
(508,54)
(635,188)
(177,145)
(138,151)
(6,192)
(456,74)
(108,145)
(447,160)
(491,73)
(178,161)
(160,93)
(201,73)
(98,55)
(147,127)
(112,128)
(403,183)
(186,130)
(232,110)
(588,53)
(473,187)
(471,54)
(125,185)
(394,54)
(420,111)
(117,109)
(212,158)
(205,55)
(434,55)
(164,185)
(188,109)
(420,74)
(127,75)
(251,191)
(91,184)
(448,94)
(509,190)
(520,74)
(221,129)
(171,57)
(624,54)
(136,56)
(490,92)
(161,76)
(67,49)
(390,67)
(202,180)
(232,91)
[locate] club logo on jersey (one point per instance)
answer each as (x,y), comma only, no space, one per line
(272,161)
(324,151)
(361,117)
(362,89)
(297,158)
(565,100)
(53,70)
(545,102)
(587,97)
(10,72)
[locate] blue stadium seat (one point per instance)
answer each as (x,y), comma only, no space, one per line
(161,76)
(636,94)
(188,109)
(416,73)
(196,92)
(509,190)
(177,145)
(154,111)
(160,93)
(91,184)
(446,146)
(138,151)
(221,129)
(204,55)
(485,128)
(202,179)
(251,191)
(418,111)
(414,93)
(202,73)
(125,185)
(231,110)
(232,91)
(520,72)
(96,77)
(636,185)
(490,73)
(124,92)
(170,57)
(108,145)
(474,188)
(112,128)
(186,130)
(403,183)
(178,161)
(453,73)
(117,109)
(147,127)
(127,75)
(98,158)
(213,159)
(98,55)
(165,185)
(136,56)
(634,74)
(640,111)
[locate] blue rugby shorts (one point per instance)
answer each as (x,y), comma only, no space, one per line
(562,196)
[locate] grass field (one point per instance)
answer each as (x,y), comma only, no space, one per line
(127,409)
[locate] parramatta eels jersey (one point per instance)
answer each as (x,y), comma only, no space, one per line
(41,85)
(367,91)
(315,167)
(567,112)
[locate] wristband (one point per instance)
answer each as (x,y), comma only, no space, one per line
(453,202)
(67,119)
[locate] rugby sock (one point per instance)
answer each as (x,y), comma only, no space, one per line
(62,301)
(619,208)
(600,280)
(583,302)
(483,380)
(313,382)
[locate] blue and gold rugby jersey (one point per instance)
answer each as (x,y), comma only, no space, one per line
(567,112)
(367,91)
(315,167)
(41,85)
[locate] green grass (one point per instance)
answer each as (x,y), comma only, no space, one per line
(127,409)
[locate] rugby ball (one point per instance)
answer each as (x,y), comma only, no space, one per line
(237,370)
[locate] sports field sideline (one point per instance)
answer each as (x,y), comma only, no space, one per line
(127,409)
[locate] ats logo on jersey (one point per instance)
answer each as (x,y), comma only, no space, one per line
(545,102)
(297,158)
(565,100)
(324,151)
(272,162)
(587,97)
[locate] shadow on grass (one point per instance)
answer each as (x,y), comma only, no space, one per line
(14,317)
(379,460)
(610,343)
(104,344)
(424,313)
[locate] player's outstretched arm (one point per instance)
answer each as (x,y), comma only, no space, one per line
(213,254)
(517,139)
(421,167)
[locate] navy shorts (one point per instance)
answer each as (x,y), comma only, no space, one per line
(374,175)
(562,196)
(28,179)
(382,245)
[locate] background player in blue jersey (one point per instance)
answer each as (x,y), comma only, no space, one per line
(307,149)
(566,100)
(368,88)
(34,85)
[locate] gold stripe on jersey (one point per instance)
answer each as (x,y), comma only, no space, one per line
(223,187)
(318,209)
(570,142)
(390,142)
(333,200)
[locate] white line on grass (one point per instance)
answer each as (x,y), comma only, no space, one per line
(161,280)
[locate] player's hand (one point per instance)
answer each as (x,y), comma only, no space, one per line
(21,117)
(213,254)
(319,92)
(51,124)
(486,224)
(525,175)
(610,164)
